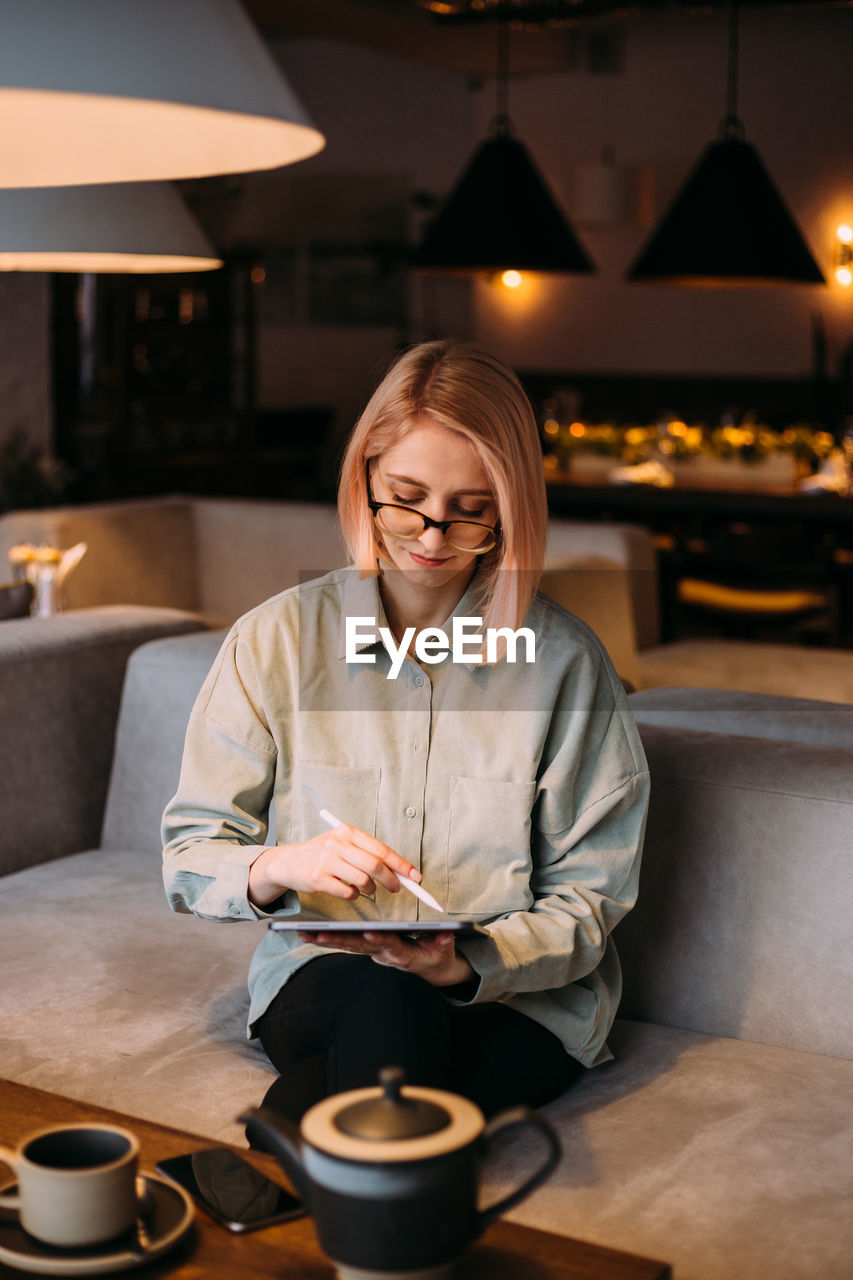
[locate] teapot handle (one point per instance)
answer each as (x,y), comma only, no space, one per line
(508,1120)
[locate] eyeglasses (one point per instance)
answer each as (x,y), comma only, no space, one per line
(407,524)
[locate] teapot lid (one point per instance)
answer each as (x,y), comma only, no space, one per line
(389,1116)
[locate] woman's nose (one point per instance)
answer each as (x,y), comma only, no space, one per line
(432,539)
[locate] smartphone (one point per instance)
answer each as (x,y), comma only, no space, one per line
(231,1190)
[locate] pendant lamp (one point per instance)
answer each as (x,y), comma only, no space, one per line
(121,227)
(500,215)
(99,91)
(728,225)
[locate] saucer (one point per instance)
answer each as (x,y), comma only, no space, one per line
(170,1218)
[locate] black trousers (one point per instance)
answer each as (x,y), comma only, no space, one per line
(341,1018)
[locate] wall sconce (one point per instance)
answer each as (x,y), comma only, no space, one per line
(844,255)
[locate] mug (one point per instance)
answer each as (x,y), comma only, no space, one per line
(76,1183)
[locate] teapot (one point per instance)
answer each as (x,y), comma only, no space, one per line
(390,1174)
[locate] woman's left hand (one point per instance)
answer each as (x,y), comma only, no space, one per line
(434,959)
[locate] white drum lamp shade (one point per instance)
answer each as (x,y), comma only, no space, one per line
(97,91)
(120,227)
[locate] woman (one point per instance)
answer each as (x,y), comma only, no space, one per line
(515,790)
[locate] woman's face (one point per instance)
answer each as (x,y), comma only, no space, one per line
(437,472)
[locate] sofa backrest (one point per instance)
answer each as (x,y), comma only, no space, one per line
(222,556)
(749,715)
(138,552)
(628,545)
(742,924)
(598,590)
(250,550)
(742,927)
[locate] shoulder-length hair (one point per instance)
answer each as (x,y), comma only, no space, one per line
(458,386)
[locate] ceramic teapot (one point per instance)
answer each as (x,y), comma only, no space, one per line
(390,1174)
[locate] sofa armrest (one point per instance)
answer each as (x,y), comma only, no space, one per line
(60,684)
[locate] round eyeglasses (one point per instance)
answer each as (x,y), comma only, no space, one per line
(407,524)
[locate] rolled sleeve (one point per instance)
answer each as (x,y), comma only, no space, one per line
(587,883)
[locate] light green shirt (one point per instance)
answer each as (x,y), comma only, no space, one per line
(519,791)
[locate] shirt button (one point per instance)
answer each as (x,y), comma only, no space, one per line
(410,812)
(419,681)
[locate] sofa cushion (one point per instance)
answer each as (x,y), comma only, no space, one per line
(709,1153)
(160,688)
(725,1158)
(742,927)
(751,715)
(109,997)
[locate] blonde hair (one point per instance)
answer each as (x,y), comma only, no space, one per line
(458,386)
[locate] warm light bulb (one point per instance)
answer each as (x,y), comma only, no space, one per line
(844,255)
(512,279)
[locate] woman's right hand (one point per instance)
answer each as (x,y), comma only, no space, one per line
(343,862)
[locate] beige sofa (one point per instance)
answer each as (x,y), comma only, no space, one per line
(219,557)
(718,1140)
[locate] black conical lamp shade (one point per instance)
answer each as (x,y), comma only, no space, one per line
(500,214)
(727,225)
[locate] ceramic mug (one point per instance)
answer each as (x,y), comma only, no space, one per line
(76,1183)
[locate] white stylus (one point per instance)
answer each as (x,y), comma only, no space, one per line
(412,887)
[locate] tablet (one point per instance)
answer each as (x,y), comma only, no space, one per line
(411,928)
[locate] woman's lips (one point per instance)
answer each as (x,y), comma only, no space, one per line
(427,560)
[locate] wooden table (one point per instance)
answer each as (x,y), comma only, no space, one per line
(290,1251)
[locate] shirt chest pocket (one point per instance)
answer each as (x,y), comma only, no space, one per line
(488,847)
(352,795)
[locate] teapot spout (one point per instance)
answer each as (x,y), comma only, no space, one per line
(281,1139)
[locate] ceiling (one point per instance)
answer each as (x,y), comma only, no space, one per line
(460,35)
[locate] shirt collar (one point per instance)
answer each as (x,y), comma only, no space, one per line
(361,599)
